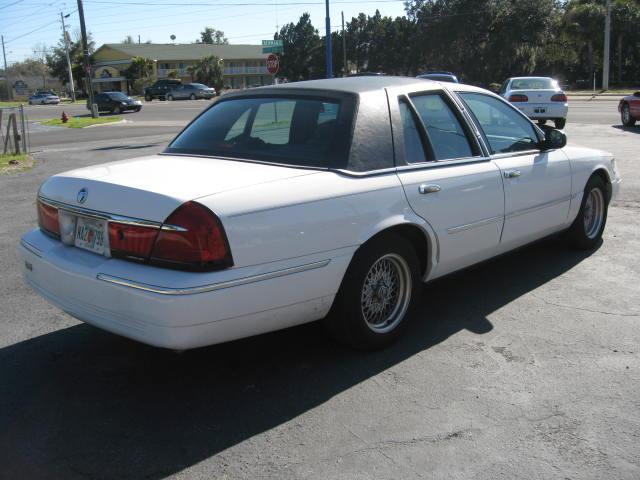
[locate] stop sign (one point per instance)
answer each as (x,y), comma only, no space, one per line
(273,63)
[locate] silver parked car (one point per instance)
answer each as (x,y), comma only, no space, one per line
(191,91)
(44,98)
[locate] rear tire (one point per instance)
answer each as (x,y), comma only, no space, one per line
(625,116)
(560,123)
(116,110)
(192,97)
(586,230)
(378,294)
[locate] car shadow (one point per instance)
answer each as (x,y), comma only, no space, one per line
(79,402)
(634,129)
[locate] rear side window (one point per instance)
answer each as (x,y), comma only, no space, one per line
(446,134)
(413,149)
(303,132)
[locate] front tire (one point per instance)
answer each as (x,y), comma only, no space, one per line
(625,116)
(192,97)
(586,230)
(560,123)
(148,98)
(116,110)
(170,98)
(378,294)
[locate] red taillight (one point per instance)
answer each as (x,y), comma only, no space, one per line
(559,97)
(131,241)
(192,237)
(518,97)
(48,218)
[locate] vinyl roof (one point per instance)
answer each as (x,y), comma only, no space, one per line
(187,51)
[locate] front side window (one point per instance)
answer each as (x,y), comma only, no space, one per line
(504,128)
(445,133)
(294,131)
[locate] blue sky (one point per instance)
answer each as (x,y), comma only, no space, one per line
(26,24)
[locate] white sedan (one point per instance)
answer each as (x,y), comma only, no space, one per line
(44,99)
(539,98)
(329,199)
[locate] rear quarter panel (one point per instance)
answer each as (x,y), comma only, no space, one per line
(309,214)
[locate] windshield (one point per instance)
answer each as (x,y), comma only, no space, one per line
(533,84)
(306,132)
(118,96)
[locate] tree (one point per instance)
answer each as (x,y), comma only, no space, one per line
(208,70)
(57,60)
(211,36)
(300,41)
(138,72)
(39,58)
(128,40)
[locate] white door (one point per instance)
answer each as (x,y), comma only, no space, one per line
(537,184)
(446,179)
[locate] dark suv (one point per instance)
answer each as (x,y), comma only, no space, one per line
(115,102)
(160,88)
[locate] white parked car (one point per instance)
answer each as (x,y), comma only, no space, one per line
(329,199)
(44,98)
(539,98)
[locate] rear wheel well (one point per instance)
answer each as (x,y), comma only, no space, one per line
(416,237)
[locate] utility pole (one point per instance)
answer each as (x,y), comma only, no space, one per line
(329,52)
(6,72)
(87,65)
(138,39)
(607,48)
(66,51)
(344,48)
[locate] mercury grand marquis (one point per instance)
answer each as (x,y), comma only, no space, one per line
(328,199)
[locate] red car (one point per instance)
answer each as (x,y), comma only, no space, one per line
(629,109)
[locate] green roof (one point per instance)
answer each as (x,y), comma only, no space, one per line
(187,51)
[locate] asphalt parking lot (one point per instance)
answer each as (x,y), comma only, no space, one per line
(525,367)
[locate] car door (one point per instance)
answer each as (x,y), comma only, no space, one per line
(446,178)
(101,101)
(537,184)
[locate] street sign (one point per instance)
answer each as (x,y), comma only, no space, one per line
(272,46)
(272,43)
(273,64)
(276,49)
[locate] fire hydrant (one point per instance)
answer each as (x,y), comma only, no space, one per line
(64,118)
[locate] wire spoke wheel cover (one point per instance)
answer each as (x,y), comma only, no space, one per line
(593,212)
(386,293)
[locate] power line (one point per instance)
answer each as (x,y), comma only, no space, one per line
(242,4)
(14,3)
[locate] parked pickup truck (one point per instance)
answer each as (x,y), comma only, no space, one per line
(160,88)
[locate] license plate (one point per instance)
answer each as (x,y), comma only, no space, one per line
(90,235)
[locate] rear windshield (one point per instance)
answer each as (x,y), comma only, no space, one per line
(533,84)
(306,132)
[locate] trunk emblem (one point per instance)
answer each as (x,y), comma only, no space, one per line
(82,195)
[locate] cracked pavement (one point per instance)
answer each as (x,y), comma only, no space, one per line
(525,367)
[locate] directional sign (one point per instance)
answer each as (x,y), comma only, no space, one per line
(275,49)
(273,64)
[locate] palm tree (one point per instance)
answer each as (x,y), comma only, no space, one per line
(139,71)
(208,70)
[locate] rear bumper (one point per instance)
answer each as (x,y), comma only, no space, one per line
(544,110)
(181,310)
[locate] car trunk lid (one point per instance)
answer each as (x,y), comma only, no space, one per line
(152,187)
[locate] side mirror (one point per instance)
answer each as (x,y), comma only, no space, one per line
(553,139)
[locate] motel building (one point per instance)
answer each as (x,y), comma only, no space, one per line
(244,65)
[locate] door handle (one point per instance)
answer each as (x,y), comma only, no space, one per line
(424,188)
(512,174)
